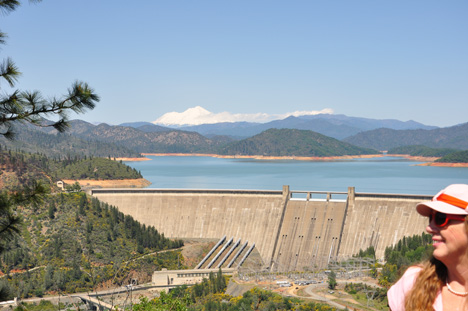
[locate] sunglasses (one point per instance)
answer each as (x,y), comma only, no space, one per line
(441,219)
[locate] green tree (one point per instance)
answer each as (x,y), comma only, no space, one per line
(332,280)
(163,303)
(52,210)
(9,222)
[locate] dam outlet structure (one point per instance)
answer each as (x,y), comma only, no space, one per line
(291,230)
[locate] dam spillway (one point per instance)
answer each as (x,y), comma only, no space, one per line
(292,230)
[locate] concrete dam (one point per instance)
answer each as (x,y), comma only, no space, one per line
(292,230)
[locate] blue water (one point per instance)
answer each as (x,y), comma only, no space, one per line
(381,175)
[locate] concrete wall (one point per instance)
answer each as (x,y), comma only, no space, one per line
(380,220)
(309,234)
(289,233)
(252,216)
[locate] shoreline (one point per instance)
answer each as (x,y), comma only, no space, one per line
(299,158)
(441,164)
(125,159)
(109,183)
(262,157)
(429,161)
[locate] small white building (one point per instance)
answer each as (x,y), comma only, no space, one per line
(60,184)
(185,277)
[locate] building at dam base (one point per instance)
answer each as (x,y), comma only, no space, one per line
(292,230)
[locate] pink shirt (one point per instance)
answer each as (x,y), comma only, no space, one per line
(397,293)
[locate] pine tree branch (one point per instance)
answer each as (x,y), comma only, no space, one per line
(30,107)
(9,71)
(3,36)
(9,226)
(7,6)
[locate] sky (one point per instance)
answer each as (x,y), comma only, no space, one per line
(399,59)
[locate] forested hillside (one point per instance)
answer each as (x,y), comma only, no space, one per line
(455,137)
(96,168)
(421,151)
(455,157)
(149,142)
(76,244)
(70,242)
(20,168)
(287,142)
(59,145)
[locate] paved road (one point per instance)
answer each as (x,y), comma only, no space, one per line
(311,291)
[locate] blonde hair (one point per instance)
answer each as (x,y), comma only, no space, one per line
(429,282)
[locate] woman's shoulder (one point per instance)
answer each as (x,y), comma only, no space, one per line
(408,278)
(397,293)
(412,271)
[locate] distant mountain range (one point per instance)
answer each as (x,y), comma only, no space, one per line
(292,136)
(336,126)
(273,142)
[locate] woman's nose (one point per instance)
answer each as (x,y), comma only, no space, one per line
(431,228)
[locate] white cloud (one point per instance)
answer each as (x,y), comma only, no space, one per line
(198,115)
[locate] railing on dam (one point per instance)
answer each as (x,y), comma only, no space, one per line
(318,196)
(393,196)
(342,196)
(182,191)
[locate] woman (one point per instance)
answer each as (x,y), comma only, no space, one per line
(442,282)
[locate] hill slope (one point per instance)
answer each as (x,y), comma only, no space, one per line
(61,145)
(455,157)
(421,151)
(148,142)
(289,142)
(455,137)
(71,242)
(18,168)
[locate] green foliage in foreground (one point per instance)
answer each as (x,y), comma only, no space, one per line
(421,151)
(163,303)
(364,293)
(255,299)
(210,295)
(455,157)
(44,305)
(406,252)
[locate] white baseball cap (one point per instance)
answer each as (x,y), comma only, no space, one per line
(452,200)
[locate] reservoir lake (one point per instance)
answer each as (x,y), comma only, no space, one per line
(373,175)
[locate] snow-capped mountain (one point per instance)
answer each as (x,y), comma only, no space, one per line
(199,115)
